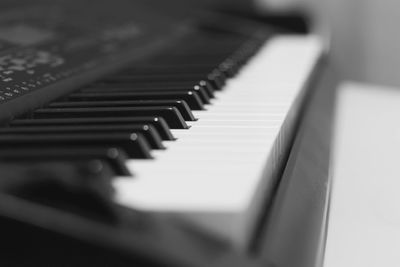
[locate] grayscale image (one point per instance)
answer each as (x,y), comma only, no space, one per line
(199,133)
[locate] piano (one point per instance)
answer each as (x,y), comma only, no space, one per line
(145,133)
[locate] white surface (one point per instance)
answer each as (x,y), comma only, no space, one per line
(212,174)
(364,220)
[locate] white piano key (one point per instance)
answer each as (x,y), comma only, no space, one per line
(217,172)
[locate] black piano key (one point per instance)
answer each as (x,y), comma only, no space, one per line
(148,69)
(207,85)
(190,97)
(170,68)
(193,58)
(225,69)
(150,86)
(148,131)
(171,115)
(134,145)
(202,91)
(179,104)
(207,89)
(229,68)
(164,78)
(211,74)
(169,85)
(157,122)
(217,79)
(115,157)
(205,47)
(132,78)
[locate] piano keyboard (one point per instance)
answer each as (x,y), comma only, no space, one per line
(199,131)
(219,171)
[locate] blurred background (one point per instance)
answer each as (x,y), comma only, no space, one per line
(362,33)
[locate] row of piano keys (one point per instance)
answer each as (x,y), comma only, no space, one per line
(79,142)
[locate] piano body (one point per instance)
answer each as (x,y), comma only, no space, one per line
(145,133)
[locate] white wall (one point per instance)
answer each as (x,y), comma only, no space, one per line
(365,36)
